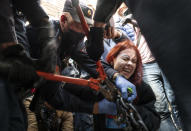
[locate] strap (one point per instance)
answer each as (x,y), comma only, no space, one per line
(138,39)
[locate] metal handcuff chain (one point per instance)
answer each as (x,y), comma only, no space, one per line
(126,112)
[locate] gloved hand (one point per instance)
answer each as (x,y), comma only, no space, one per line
(46,38)
(106,107)
(22,73)
(105,9)
(128,31)
(17,65)
(123,84)
(94,45)
(48,59)
(45,32)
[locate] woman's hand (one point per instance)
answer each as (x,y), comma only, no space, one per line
(105,107)
(124,85)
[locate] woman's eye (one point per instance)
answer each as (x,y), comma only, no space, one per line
(134,61)
(125,58)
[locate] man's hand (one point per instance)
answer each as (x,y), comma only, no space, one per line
(48,59)
(124,85)
(46,38)
(128,30)
(111,33)
(21,73)
(105,9)
(17,66)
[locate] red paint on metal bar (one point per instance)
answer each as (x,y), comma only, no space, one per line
(93,83)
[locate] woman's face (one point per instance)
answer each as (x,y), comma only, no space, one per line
(125,62)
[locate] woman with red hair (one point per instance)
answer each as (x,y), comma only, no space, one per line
(121,54)
(124,63)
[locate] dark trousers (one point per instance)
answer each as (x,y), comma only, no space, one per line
(11,113)
(83,122)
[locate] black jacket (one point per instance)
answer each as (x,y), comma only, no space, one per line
(169,45)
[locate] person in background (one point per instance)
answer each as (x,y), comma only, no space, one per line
(17,69)
(166,28)
(153,76)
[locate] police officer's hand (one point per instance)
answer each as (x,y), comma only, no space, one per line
(128,30)
(48,59)
(105,9)
(111,33)
(105,107)
(46,38)
(21,73)
(126,88)
(17,65)
(45,33)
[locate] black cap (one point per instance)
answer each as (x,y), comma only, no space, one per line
(88,12)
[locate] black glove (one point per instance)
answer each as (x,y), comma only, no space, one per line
(105,9)
(48,59)
(94,45)
(48,45)
(17,66)
(45,32)
(22,73)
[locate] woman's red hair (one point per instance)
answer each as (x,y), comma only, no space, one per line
(136,78)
